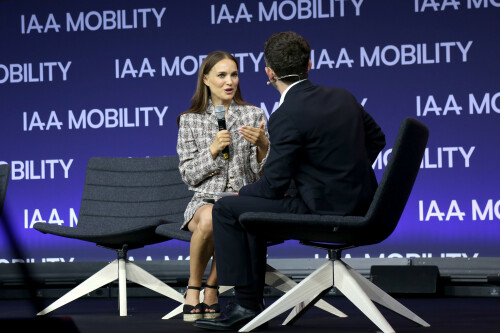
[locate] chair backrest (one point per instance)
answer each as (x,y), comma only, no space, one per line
(4,180)
(132,190)
(397,181)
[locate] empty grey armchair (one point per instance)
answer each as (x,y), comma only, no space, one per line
(336,233)
(123,201)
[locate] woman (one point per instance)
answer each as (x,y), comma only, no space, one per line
(207,172)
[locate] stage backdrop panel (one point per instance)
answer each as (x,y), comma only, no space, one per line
(92,78)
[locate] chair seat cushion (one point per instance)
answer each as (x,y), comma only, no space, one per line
(308,227)
(173,231)
(134,234)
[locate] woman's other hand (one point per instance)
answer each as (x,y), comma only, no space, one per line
(255,135)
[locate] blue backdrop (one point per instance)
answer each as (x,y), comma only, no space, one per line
(92,78)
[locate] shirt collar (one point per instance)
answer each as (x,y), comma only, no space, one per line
(282,99)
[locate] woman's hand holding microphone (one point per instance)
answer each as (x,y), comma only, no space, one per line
(221,141)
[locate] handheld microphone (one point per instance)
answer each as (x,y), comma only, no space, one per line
(220,113)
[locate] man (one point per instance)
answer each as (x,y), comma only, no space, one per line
(323,142)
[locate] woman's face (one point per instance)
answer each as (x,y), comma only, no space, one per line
(222,80)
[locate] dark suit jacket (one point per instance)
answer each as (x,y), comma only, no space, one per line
(323,140)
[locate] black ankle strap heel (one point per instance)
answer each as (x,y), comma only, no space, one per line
(195,288)
(212,311)
(190,312)
(191,287)
(213,287)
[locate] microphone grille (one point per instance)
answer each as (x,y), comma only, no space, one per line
(220,111)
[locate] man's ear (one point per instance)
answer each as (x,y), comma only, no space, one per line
(269,72)
(309,65)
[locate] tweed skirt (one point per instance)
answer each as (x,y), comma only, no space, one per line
(198,200)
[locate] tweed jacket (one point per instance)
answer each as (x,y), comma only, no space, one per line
(206,176)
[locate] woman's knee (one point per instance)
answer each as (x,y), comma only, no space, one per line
(205,225)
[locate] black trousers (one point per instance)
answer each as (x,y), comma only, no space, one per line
(241,255)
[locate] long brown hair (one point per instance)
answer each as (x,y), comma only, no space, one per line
(199,101)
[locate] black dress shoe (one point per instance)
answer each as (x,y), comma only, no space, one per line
(233,318)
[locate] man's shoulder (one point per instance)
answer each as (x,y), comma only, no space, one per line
(307,88)
(313,93)
(334,90)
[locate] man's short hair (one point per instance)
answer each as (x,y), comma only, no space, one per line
(287,53)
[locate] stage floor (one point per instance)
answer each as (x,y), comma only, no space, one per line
(95,315)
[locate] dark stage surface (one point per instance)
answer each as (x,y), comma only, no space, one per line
(94,315)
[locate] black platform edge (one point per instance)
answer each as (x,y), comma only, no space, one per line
(462,277)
